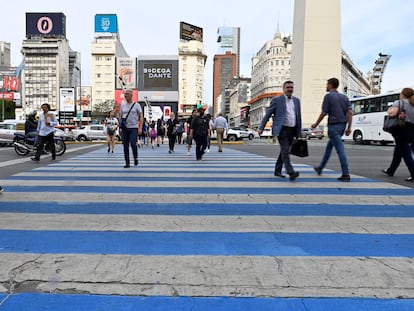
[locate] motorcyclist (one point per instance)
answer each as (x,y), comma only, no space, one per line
(30,126)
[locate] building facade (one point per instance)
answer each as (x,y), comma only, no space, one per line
(224,69)
(270,68)
(192,61)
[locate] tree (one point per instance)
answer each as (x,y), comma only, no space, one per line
(101,110)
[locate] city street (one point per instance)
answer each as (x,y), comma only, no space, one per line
(83,233)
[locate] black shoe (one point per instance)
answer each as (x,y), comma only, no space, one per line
(318,170)
(169,151)
(344,177)
(34,159)
(409,179)
(277,174)
(294,175)
(1,189)
(109,149)
(385,171)
(135,162)
(126,166)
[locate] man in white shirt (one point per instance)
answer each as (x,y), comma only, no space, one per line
(46,132)
(220,126)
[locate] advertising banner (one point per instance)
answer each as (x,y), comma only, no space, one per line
(45,24)
(126,71)
(106,23)
(158,75)
(67,100)
(190,32)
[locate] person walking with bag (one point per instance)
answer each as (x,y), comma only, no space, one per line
(339,111)
(403,135)
(132,121)
(287,125)
(111,127)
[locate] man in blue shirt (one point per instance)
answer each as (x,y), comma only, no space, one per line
(339,111)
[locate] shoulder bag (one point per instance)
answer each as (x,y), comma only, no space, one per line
(392,124)
(122,123)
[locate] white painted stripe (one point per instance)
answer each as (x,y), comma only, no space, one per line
(159,223)
(241,276)
(86,197)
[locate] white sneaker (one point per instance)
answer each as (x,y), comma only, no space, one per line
(208,149)
(188,153)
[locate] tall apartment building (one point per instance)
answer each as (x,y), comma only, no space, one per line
(224,69)
(226,63)
(270,68)
(46,54)
(5,59)
(192,61)
(106,47)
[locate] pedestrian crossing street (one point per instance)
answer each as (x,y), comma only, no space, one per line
(219,234)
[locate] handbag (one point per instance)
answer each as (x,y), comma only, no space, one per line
(122,123)
(392,124)
(299,148)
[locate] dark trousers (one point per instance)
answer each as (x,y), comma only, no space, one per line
(403,149)
(50,143)
(285,138)
(130,137)
(171,141)
(201,145)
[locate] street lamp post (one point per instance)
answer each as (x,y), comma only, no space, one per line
(80,92)
(2,100)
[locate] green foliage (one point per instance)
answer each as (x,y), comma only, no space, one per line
(9,109)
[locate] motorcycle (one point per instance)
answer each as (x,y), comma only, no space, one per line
(24,145)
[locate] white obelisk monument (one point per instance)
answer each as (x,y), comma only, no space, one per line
(316,52)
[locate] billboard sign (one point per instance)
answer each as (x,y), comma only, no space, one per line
(67,100)
(190,32)
(45,24)
(158,75)
(126,70)
(106,23)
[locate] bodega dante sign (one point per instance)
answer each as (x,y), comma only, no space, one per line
(157,76)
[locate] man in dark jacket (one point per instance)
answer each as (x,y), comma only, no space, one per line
(199,129)
(287,124)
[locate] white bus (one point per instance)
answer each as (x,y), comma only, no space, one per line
(368,118)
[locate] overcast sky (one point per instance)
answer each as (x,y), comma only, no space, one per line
(152,27)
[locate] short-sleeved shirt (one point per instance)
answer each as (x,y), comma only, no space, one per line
(336,106)
(132,120)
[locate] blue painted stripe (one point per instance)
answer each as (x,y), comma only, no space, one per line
(208,209)
(174,179)
(207,243)
(61,302)
(217,190)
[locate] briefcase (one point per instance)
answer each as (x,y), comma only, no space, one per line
(299,148)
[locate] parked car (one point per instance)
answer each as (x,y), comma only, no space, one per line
(64,135)
(91,132)
(309,133)
(267,132)
(239,132)
(7,131)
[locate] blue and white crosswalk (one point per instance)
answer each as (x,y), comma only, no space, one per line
(222,234)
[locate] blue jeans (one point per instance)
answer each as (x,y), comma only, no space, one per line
(130,138)
(335,132)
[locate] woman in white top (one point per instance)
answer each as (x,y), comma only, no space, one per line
(111,128)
